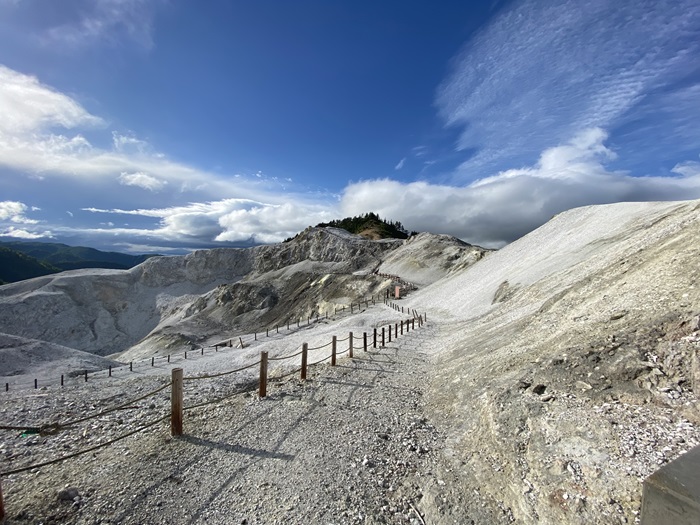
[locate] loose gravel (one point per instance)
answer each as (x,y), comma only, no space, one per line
(351,444)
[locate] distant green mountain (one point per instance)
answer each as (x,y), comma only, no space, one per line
(42,258)
(16,266)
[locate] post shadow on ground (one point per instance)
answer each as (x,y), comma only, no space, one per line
(236,449)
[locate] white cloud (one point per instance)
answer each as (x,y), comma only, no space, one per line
(228,220)
(25,234)
(142,180)
(14,211)
(28,106)
(540,72)
(400,164)
(496,210)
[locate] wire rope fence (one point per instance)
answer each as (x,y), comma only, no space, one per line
(233,343)
(177,380)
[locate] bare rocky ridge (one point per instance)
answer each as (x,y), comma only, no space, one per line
(170,303)
(551,378)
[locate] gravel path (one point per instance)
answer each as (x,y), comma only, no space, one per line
(352,444)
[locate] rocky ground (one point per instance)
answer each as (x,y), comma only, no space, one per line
(353,444)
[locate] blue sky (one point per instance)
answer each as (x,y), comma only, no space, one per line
(154,125)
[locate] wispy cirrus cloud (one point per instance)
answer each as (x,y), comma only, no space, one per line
(541,72)
(108,21)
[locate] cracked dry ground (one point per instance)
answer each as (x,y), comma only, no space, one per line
(352,444)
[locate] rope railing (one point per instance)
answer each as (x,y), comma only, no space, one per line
(290,373)
(320,361)
(80,453)
(321,347)
(199,350)
(221,374)
(177,405)
(221,398)
(283,358)
(52,428)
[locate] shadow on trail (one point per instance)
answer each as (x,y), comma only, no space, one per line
(237,449)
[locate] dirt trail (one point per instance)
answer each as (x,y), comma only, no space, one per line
(352,444)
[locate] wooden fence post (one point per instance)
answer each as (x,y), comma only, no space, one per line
(374,341)
(2,507)
(304,360)
(413,324)
(350,345)
(262,390)
(383,337)
(396,330)
(334,350)
(176,403)
(390,333)
(364,341)
(401,326)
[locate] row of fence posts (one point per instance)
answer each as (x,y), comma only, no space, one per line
(398,329)
(223,344)
(177,376)
(176,397)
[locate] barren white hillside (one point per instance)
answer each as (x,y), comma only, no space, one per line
(552,377)
(569,364)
